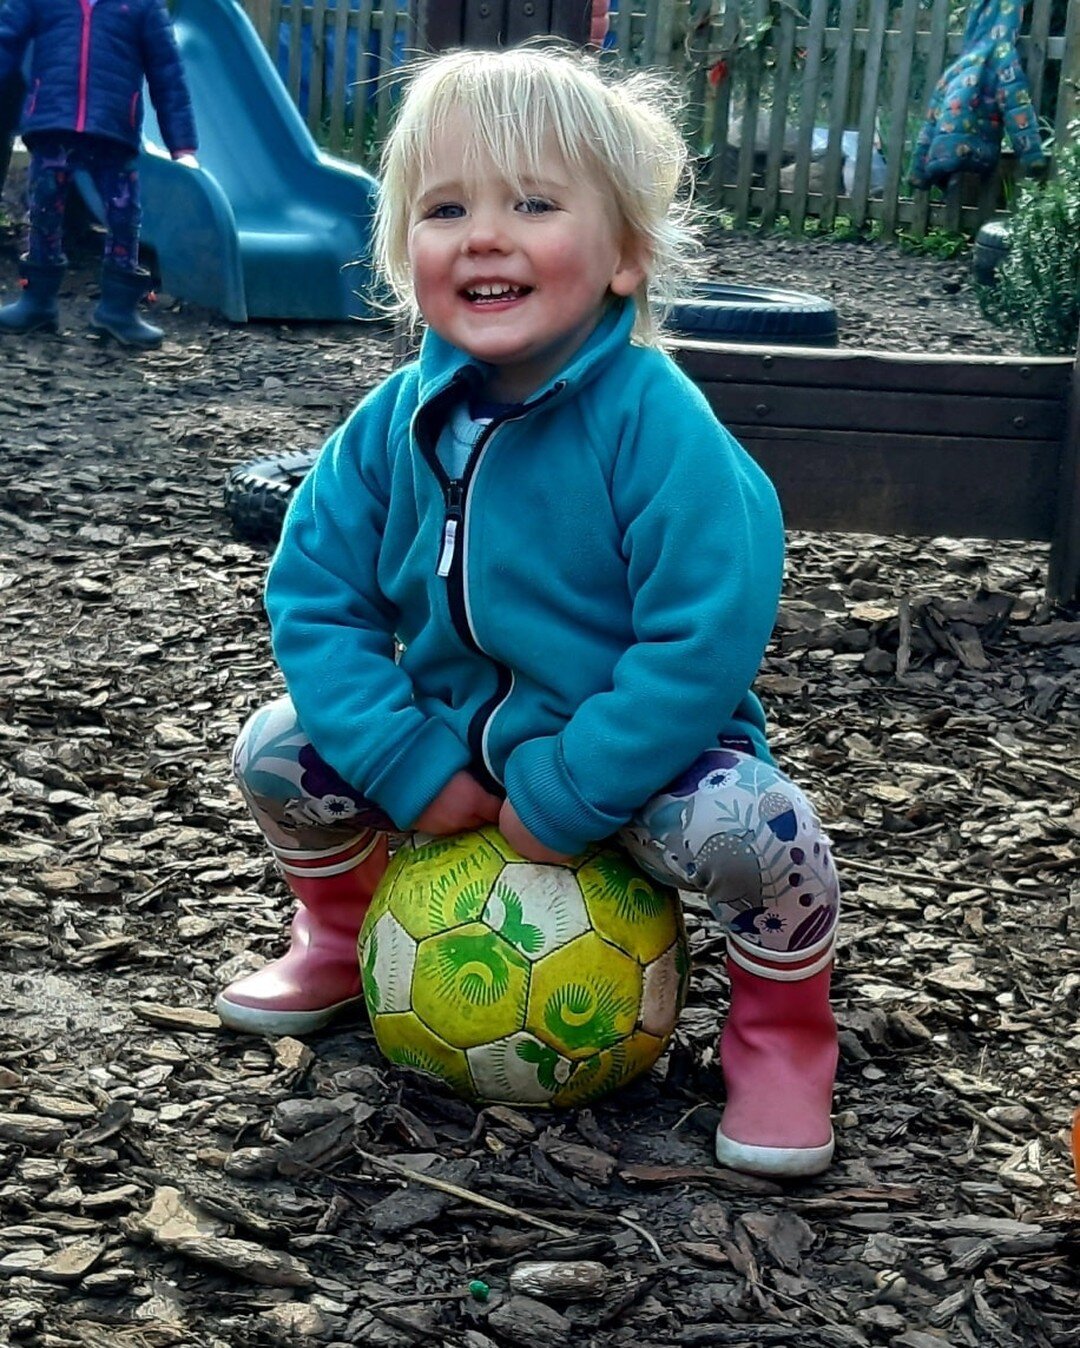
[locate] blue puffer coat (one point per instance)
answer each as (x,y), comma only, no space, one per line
(89,61)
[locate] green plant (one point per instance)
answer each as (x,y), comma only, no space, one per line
(1038,283)
(941,243)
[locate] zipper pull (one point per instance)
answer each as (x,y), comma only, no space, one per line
(449,538)
(450,529)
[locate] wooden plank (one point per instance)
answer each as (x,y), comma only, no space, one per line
(876,410)
(799,367)
(896,152)
(522,20)
(860,192)
(623,33)
(570,19)
(808,115)
(362,18)
(841,83)
(317,68)
(1035,56)
(751,65)
(778,118)
(443,23)
(1063,581)
(935,65)
(663,37)
(387,32)
(296,49)
(274,30)
(341,64)
(865,482)
(721,116)
(698,59)
(1068,106)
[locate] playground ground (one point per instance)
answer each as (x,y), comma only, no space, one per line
(165,1183)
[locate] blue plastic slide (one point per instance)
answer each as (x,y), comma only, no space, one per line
(268,226)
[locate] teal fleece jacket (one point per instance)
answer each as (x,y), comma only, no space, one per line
(575,620)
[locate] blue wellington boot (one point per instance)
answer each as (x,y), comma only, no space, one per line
(116,312)
(36,307)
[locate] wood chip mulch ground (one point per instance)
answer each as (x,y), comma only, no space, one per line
(164,1182)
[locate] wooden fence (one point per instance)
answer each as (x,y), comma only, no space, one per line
(787,113)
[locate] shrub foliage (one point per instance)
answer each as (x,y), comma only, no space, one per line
(1038,287)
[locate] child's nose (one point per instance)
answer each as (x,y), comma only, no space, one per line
(485,233)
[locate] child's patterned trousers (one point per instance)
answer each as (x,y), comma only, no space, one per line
(731,827)
(54,158)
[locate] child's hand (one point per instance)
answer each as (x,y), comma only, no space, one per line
(461,804)
(521,840)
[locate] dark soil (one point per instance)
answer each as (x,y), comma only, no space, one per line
(163,1182)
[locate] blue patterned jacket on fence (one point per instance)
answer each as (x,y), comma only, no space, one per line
(981,95)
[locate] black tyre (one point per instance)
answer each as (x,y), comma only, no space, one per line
(258,494)
(991,249)
(753,314)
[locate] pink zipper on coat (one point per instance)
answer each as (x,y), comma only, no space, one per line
(84,63)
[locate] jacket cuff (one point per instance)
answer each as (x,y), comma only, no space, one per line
(541,790)
(414,777)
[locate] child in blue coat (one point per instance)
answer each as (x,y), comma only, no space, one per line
(84,111)
(531,579)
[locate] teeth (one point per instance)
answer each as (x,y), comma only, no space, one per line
(488,292)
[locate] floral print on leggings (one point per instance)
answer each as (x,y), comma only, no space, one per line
(731,827)
(736,829)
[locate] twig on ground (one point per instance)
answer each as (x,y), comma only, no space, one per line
(466,1195)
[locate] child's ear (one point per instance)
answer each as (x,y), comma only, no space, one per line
(631,267)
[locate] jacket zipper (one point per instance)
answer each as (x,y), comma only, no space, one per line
(451,568)
(84,64)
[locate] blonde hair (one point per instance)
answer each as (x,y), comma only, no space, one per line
(618,133)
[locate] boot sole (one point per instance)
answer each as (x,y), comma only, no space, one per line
(52,326)
(262,1020)
(774,1162)
(132,346)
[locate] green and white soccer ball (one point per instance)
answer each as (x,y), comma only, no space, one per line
(517,982)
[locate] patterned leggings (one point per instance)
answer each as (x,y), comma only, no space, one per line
(111,166)
(731,827)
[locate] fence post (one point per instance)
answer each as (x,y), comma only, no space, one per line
(467,23)
(1068,106)
(1063,579)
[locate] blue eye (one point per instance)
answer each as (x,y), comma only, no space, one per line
(535,206)
(447,210)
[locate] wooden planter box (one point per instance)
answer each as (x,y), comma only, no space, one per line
(876,442)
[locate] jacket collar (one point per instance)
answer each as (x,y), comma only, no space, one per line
(442,364)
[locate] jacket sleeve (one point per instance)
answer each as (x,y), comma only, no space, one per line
(1017,111)
(333,628)
(166,80)
(16,29)
(703,541)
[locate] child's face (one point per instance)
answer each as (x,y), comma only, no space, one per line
(516,281)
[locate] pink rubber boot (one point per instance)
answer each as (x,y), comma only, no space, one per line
(779,1052)
(319,976)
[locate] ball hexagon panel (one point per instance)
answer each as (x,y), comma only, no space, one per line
(536,908)
(627,908)
(387,959)
(609,1069)
(584,996)
(407,1041)
(443,883)
(664,990)
(518,1070)
(469,985)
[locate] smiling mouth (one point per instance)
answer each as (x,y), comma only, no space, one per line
(495,293)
